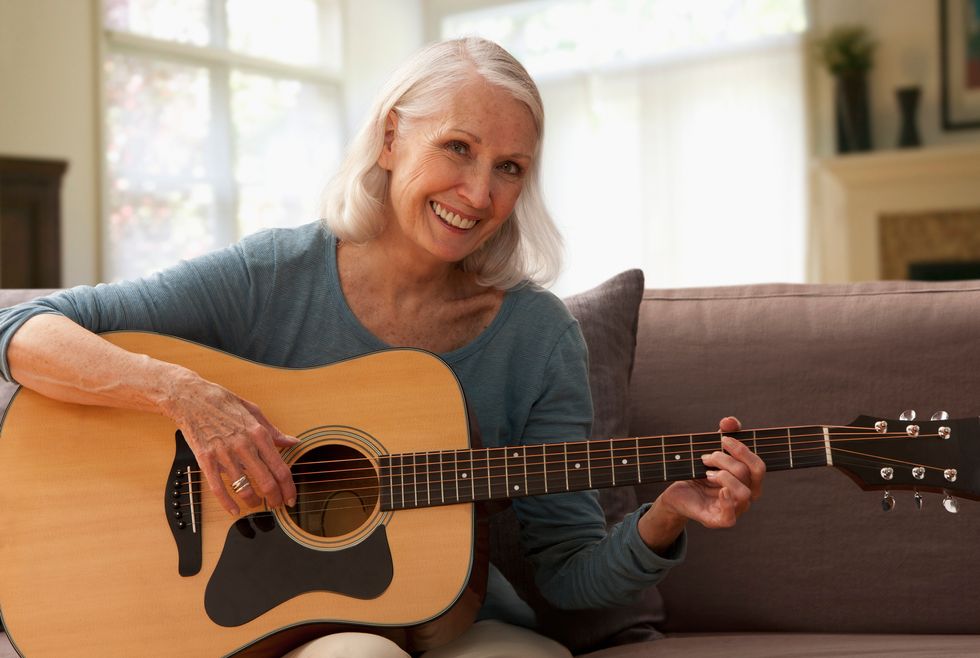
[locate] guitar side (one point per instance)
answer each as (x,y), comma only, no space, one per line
(88,564)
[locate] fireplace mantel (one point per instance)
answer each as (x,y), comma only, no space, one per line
(850,193)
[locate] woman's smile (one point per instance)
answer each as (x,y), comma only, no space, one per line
(452,219)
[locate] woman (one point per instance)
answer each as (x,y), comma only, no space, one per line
(435,237)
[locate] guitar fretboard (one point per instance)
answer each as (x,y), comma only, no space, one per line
(446,477)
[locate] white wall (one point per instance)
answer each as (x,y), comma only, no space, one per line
(907,32)
(48,110)
(380,35)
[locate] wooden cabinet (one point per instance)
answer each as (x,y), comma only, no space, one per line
(30,222)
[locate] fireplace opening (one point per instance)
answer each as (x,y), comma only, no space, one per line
(944,270)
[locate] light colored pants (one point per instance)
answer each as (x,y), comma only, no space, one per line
(484,639)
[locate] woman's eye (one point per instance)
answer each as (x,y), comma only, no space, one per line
(458,147)
(511,168)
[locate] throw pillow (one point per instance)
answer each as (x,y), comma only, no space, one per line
(608,316)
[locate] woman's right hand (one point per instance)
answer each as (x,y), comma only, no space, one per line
(232,436)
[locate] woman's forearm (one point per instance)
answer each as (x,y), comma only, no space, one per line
(57,358)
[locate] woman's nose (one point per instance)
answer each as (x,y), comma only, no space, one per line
(475,187)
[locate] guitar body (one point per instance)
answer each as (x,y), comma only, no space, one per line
(88,555)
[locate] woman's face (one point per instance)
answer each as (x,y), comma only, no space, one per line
(454,178)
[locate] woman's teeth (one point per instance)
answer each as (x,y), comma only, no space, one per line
(452,218)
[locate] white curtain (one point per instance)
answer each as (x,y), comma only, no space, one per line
(693,170)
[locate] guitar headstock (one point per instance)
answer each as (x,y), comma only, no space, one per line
(938,455)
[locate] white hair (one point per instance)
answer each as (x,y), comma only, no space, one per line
(527,246)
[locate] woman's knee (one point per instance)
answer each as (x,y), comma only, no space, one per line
(348,645)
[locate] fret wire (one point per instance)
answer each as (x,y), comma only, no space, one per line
(789,441)
(567,487)
(456,472)
(588,461)
(612,462)
(524,457)
(442,475)
(544,460)
(428,487)
(636,444)
(690,441)
(489,490)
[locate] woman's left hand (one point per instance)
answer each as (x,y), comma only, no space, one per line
(733,482)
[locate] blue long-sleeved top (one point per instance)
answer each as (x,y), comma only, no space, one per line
(275,298)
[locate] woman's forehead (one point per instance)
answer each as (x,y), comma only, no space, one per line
(489,115)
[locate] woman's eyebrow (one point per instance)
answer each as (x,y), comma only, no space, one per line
(476,138)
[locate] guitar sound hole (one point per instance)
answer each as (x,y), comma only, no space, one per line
(337,490)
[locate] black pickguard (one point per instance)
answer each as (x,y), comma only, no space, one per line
(261,567)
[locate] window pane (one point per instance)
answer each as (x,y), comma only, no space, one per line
(157,117)
(554,36)
(287,142)
(176,20)
(160,201)
(289,33)
(153,227)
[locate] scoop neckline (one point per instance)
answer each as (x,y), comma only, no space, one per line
(367,337)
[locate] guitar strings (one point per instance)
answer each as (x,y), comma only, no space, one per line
(857,459)
(618,452)
(413,488)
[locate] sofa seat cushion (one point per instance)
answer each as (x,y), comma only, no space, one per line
(798,645)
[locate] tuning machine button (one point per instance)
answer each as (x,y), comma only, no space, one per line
(940,415)
(908,414)
(917,499)
(918,472)
(950,504)
(888,502)
(887,473)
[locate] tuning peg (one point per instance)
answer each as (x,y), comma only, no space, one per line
(888,502)
(950,504)
(917,499)
(908,414)
(940,415)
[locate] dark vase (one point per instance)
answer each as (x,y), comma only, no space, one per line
(853,117)
(908,104)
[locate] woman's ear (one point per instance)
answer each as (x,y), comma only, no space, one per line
(387,149)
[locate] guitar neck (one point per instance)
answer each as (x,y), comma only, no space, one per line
(426,479)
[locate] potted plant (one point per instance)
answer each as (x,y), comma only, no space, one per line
(847,52)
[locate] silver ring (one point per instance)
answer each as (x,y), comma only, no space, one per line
(240,484)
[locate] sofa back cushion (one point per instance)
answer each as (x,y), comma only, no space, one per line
(816,553)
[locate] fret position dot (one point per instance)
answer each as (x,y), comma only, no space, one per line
(626,461)
(464,476)
(516,454)
(517,487)
(578,465)
(677,456)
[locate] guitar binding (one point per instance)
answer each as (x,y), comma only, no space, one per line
(182,503)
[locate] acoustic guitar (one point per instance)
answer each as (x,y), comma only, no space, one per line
(112,545)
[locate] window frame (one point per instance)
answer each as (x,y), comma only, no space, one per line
(220,62)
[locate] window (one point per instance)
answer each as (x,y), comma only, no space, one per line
(675,133)
(221,118)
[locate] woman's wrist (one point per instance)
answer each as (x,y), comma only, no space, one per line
(660,526)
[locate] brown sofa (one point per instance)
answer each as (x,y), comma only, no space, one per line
(816,568)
